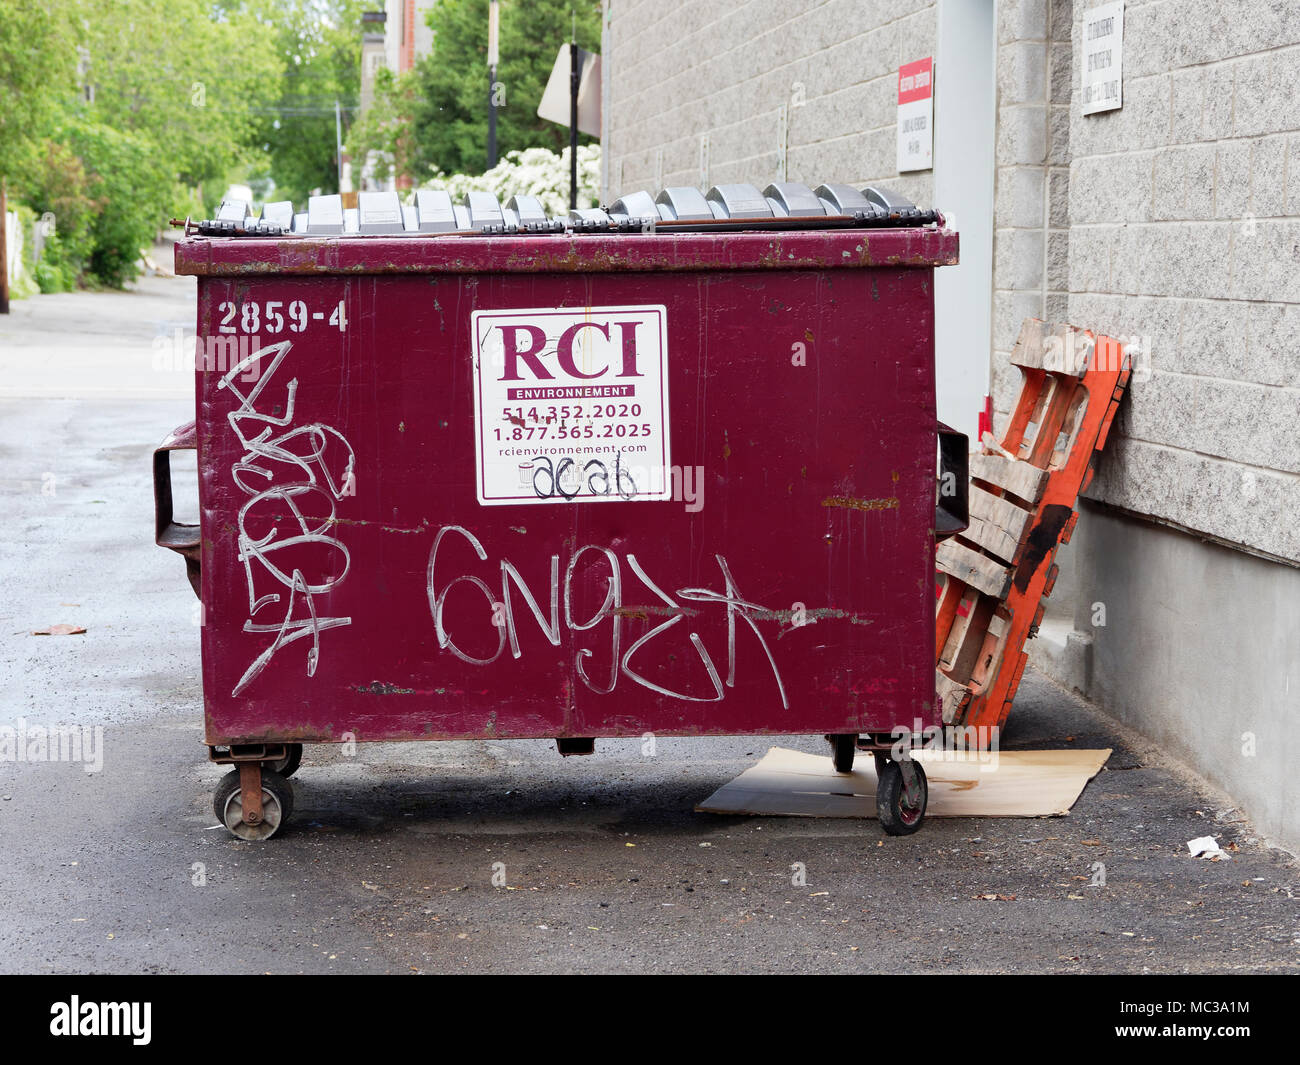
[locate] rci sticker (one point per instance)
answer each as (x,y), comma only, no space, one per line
(571,406)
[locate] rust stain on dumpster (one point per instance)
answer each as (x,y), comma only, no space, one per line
(849,503)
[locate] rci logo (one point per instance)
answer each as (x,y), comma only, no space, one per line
(526,344)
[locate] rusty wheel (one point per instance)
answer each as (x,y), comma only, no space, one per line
(901,802)
(288,765)
(277,805)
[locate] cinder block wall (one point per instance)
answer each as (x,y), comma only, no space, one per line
(1183,228)
(1183,231)
(1031,236)
(703,94)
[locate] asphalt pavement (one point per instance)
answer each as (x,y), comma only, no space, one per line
(497,856)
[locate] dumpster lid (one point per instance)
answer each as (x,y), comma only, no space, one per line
(782,205)
(786,225)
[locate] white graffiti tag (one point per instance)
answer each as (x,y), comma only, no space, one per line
(284,473)
(614,609)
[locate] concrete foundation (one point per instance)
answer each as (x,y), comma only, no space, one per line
(1195,645)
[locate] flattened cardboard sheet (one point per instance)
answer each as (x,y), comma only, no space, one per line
(962,784)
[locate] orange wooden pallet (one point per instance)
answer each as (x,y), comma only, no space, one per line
(992,578)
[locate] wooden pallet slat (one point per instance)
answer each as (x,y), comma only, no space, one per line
(997,524)
(952,697)
(1019,478)
(970,567)
(1059,349)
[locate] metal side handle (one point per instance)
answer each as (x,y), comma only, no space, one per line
(952,508)
(175,536)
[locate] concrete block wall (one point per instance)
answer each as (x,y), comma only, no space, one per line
(1031,236)
(740,77)
(702,94)
(1184,228)
(1194,645)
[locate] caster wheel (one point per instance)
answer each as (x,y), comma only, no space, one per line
(901,808)
(843,748)
(288,765)
(277,805)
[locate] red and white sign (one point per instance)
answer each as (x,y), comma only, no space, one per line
(571,405)
(916,115)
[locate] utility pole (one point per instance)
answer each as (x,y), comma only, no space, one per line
(494,22)
(4,250)
(575,77)
(338,141)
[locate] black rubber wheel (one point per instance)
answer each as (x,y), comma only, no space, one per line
(288,765)
(898,816)
(277,805)
(843,748)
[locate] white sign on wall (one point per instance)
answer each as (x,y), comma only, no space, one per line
(571,405)
(916,115)
(1103,58)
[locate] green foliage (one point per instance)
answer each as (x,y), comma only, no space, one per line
(132,103)
(134,192)
(436,116)
(59,184)
(386,129)
(23,284)
(116,115)
(181,76)
(318,52)
(36,65)
(58,270)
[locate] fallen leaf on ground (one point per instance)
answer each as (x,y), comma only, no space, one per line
(59,630)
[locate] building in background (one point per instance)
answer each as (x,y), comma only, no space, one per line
(394,38)
(374,54)
(1174,219)
(407,35)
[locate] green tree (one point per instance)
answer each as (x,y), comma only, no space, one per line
(436,116)
(181,75)
(318,47)
(132,192)
(151,98)
(36,73)
(114,115)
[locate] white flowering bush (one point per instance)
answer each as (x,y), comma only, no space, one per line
(531,172)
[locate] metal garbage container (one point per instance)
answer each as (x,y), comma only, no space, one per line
(467,472)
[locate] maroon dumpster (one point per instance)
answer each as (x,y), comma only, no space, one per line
(476,473)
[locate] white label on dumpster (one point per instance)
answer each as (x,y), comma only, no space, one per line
(571,405)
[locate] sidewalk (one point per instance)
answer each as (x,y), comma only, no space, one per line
(97,343)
